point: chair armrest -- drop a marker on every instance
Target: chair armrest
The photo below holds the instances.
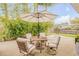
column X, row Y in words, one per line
column 31, row 49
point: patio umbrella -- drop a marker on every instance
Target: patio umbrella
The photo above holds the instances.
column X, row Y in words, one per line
column 38, row 17
column 76, row 6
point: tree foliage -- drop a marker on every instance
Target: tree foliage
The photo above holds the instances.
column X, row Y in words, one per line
column 18, row 28
column 75, row 21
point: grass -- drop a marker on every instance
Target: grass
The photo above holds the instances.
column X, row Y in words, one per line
column 69, row 35
column 66, row 35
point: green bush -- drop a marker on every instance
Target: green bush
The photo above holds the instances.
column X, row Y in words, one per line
column 18, row 28
column 43, row 27
column 14, row 29
column 77, row 38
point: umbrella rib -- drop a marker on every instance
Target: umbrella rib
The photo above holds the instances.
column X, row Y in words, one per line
column 27, row 16
column 30, row 18
column 43, row 18
column 50, row 14
column 47, row 17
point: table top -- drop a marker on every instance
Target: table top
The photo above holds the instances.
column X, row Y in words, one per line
column 38, row 39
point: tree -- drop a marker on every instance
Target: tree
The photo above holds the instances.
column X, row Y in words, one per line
column 75, row 24
column 35, row 7
column 25, row 8
column 21, row 8
column 4, row 7
column 16, row 10
column 46, row 5
column 57, row 29
column 75, row 21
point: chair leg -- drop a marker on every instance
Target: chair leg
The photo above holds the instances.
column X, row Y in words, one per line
column 49, row 51
column 32, row 52
column 24, row 54
column 55, row 51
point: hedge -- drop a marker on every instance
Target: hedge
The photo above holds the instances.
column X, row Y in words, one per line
column 18, row 28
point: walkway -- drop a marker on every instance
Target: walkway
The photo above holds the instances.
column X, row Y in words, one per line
column 77, row 48
column 9, row 48
column 66, row 47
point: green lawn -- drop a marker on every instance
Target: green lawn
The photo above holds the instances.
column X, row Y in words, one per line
column 69, row 35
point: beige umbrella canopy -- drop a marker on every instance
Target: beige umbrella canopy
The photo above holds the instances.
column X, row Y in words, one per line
column 76, row 6
column 38, row 17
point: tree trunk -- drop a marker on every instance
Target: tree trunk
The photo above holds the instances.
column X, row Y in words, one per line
column 35, row 7
column 16, row 9
column 46, row 7
column 25, row 8
column 5, row 10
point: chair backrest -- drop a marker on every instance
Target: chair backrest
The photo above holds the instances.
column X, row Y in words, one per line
column 54, row 40
column 22, row 44
column 42, row 35
column 28, row 36
column 58, row 41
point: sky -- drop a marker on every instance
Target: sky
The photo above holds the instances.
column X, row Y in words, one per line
column 64, row 12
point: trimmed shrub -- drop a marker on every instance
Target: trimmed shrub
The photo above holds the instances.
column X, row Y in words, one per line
column 18, row 28
column 14, row 29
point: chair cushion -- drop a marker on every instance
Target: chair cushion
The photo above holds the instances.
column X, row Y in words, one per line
column 28, row 40
column 25, row 53
column 51, row 45
column 42, row 35
column 28, row 36
column 21, row 39
column 52, row 39
column 30, row 47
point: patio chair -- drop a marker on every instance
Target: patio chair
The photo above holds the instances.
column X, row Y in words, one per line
column 42, row 35
column 29, row 37
column 52, row 44
column 24, row 47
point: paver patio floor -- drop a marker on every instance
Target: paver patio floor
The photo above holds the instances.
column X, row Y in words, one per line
column 66, row 48
column 77, row 48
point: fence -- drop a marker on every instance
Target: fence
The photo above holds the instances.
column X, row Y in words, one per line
column 69, row 31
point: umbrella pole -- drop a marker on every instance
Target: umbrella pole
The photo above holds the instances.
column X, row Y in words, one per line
column 38, row 27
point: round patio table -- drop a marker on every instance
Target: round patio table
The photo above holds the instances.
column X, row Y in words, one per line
column 39, row 42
